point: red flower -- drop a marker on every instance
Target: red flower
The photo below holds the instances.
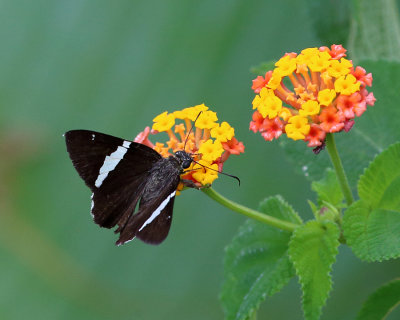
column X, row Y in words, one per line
column 257, row 122
column 349, row 104
column 362, row 76
column 315, row 136
column 233, row 146
column 143, row 138
column 272, row 129
column 260, row 82
column 331, row 120
column 336, row 51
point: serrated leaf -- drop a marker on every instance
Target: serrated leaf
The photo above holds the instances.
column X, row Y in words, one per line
column 263, row 67
column 330, row 19
column 372, row 225
column 379, row 186
column 277, row 207
column 373, row 234
column 256, row 262
column 375, row 31
column 312, row 250
column 381, row 302
column 328, row 189
column 374, row 131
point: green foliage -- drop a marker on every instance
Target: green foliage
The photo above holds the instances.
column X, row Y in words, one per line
column 328, row 189
column 262, row 68
column 381, row 302
column 372, row 224
column 373, row 234
column 256, row 262
column 111, row 66
column 374, row 131
column 312, row 250
column 331, row 20
column 375, row 31
column 379, row 186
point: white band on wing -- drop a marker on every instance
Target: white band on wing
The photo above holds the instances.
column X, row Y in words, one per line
column 156, row 213
column 110, row 162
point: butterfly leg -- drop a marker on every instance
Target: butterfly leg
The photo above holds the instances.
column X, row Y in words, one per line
column 189, row 184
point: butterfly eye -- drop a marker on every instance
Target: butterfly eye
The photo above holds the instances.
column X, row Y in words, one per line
column 186, row 163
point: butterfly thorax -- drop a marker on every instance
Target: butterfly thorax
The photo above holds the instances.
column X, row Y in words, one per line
column 184, row 159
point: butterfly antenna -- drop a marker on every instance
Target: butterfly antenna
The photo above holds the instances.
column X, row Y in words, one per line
column 191, row 129
column 229, row 175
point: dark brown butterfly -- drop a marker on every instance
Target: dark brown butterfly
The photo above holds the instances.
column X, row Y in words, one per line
column 123, row 175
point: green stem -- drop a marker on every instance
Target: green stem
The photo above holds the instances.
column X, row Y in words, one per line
column 262, row 217
column 337, row 164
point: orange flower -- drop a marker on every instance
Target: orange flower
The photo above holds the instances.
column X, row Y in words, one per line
column 320, row 92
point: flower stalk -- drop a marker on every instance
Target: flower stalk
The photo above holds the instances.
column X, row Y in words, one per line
column 256, row 215
column 338, row 166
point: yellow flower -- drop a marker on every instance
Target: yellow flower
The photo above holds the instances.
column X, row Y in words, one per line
column 305, row 57
column 286, row 65
column 297, row 128
column 347, row 85
column 190, row 113
column 310, row 52
column 206, row 120
column 211, row 150
column 269, row 104
column 163, row 122
column 275, row 80
column 309, row 108
column 285, row 113
column 205, row 175
column 260, row 98
column 319, row 62
column 338, row 69
column 181, row 114
column 223, row 133
column 200, row 107
column 326, row 96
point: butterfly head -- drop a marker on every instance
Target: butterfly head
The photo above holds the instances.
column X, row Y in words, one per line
column 184, row 158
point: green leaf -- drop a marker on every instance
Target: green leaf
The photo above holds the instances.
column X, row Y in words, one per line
column 373, row 234
column 262, row 68
column 375, row 31
column 381, row 302
column 256, row 262
column 373, row 132
column 328, row 189
column 372, row 225
column 379, row 186
column 312, row 250
column 330, row 19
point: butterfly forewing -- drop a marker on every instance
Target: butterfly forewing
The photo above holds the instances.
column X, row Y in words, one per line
column 89, row 150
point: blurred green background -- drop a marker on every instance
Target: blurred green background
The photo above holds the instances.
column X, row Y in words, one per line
column 111, row 66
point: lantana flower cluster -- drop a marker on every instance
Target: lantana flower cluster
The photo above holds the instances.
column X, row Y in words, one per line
column 310, row 94
column 210, row 143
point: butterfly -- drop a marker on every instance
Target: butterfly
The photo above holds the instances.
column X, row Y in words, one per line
column 123, row 175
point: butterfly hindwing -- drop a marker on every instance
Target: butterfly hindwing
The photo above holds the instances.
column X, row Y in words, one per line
column 152, row 222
